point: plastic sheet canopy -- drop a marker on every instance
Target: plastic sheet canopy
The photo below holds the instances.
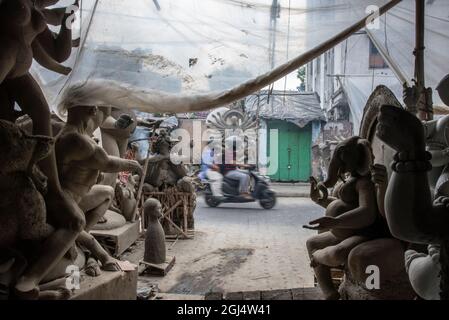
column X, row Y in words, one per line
column 396, row 36
column 193, row 47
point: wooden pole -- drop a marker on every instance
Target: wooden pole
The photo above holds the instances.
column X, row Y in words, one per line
column 425, row 109
column 419, row 49
column 144, row 174
column 267, row 79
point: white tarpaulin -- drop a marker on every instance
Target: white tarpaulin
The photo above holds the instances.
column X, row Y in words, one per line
column 396, row 36
column 188, row 55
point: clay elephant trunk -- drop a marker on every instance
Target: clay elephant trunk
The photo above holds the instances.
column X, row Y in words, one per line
column 334, row 172
column 353, row 155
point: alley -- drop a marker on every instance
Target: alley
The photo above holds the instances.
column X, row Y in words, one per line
column 242, row 248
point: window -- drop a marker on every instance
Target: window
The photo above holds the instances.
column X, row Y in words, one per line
column 375, row 58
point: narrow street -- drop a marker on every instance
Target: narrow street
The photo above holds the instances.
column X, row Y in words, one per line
column 241, row 248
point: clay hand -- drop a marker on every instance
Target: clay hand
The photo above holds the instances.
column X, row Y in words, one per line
column 445, row 152
column 65, row 70
column 322, row 223
column 314, row 192
column 135, row 166
column 409, row 96
column 379, row 175
column 442, row 202
column 76, row 42
column 400, row 129
column 323, row 190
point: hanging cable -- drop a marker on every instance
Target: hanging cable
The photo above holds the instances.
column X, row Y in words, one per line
column 288, row 44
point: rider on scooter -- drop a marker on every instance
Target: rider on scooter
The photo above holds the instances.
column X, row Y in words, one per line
column 233, row 171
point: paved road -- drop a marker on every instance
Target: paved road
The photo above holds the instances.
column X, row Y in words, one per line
column 244, row 248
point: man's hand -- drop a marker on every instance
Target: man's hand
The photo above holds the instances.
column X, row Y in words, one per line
column 323, row 223
column 214, row 167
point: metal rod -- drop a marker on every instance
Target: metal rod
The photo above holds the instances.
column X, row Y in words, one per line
column 391, row 64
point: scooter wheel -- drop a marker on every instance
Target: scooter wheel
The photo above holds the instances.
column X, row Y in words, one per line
column 268, row 201
column 212, row 202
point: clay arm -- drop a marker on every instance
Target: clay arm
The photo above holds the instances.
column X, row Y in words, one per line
column 316, row 196
column 410, row 214
column 45, row 3
column 439, row 157
column 45, row 60
column 365, row 214
column 73, row 147
column 54, row 16
column 59, row 47
column 409, row 210
column 109, row 164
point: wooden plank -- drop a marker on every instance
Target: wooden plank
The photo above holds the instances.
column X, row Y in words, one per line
column 252, row 295
column 120, row 239
column 214, row 296
column 157, row 269
column 313, row 294
column 277, row 295
column 234, row 296
column 108, row 286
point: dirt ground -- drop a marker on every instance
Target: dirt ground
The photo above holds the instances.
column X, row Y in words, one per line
column 239, row 248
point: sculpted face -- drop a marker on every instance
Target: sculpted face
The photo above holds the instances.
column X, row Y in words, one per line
column 94, row 118
column 153, row 208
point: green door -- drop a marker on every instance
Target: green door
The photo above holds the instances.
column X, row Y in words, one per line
column 294, row 149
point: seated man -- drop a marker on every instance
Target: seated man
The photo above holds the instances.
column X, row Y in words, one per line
column 232, row 171
column 80, row 163
column 210, row 170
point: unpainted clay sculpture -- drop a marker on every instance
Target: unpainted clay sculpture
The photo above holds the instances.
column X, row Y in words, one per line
column 125, row 194
column 155, row 251
column 351, row 219
column 162, row 170
column 116, row 129
column 80, row 161
column 421, row 219
column 21, row 19
column 24, row 218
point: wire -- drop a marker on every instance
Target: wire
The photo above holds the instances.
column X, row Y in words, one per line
column 288, row 44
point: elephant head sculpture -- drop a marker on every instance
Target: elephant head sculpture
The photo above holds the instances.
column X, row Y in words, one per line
column 354, row 156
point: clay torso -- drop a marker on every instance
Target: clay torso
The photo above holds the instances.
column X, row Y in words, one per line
column 347, row 200
column 20, row 38
column 76, row 176
column 155, row 243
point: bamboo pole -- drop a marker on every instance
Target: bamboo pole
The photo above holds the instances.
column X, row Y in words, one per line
column 419, row 50
column 425, row 108
column 144, row 174
column 283, row 70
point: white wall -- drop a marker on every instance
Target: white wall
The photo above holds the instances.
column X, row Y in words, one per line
column 350, row 61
